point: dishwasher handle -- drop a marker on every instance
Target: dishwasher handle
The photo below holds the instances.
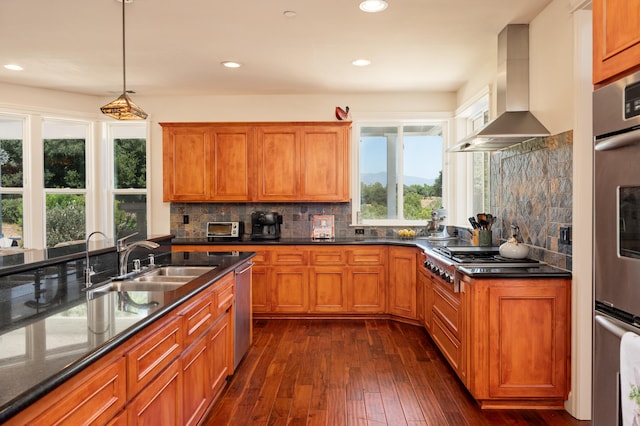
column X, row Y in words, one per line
column 249, row 266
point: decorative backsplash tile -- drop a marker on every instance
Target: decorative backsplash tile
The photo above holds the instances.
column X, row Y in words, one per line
column 532, row 188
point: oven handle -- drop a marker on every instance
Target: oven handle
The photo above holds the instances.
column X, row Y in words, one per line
column 611, row 327
column 619, row 141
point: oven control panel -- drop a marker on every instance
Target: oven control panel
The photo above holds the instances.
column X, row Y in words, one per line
column 443, row 270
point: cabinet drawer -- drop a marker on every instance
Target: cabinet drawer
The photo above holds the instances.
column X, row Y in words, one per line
column 289, row 257
column 447, row 308
column 199, row 316
column 161, row 345
column 224, row 293
column 448, row 344
column 97, row 400
column 366, row 256
column 333, row 257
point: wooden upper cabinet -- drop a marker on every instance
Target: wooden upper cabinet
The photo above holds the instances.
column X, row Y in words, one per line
column 185, row 162
column 256, row 162
column 231, row 168
column 325, row 157
column 278, row 152
column 616, row 39
column 206, row 163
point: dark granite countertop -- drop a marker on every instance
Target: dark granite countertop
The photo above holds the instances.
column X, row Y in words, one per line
column 70, row 333
column 542, row 270
column 538, row 271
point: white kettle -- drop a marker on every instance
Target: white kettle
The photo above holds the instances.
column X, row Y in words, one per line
column 512, row 248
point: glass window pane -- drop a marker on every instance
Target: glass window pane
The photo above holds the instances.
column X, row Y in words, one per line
column 12, row 217
column 11, row 135
column 422, row 174
column 130, row 213
column 130, row 166
column 66, row 218
column 64, row 155
column 377, row 156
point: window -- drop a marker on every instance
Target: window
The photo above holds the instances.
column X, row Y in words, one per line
column 129, row 189
column 11, row 179
column 400, row 172
column 65, row 171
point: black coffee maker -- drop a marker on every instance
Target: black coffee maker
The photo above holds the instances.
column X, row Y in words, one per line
column 265, row 225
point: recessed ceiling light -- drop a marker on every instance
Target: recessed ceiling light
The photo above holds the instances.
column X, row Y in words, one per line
column 13, row 67
column 289, row 14
column 231, row 64
column 373, row 5
column 361, row 62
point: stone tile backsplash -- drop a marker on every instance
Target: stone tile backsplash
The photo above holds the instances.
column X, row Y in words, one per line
column 532, row 188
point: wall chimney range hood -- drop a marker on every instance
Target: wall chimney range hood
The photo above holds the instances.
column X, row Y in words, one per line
column 514, row 124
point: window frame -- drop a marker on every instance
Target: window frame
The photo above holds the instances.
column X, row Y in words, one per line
column 399, row 121
column 111, row 190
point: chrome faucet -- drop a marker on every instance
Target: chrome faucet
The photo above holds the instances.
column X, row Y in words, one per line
column 125, row 250
column 88, row 269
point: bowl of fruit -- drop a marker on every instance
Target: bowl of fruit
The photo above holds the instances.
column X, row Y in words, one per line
column 407, row 234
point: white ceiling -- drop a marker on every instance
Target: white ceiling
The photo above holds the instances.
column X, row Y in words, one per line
column 174, row 47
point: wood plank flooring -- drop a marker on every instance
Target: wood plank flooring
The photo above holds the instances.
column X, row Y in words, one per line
column 354, row 372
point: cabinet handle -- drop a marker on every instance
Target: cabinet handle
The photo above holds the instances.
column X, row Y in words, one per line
column 249, row 266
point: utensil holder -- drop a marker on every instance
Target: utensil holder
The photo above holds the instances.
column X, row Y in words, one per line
column 482, row 237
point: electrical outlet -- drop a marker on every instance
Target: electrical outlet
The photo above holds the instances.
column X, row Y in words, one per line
column 185, row 219
column 565, row 235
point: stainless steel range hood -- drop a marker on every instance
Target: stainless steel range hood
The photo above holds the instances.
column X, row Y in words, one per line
column 515, row 124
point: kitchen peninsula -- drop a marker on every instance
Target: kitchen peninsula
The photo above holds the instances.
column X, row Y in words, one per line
column 76, row 354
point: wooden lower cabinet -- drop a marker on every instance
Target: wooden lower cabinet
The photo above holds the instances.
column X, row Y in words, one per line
column 402, row 282
column 93, row 396
column 328, row 289
column 161, row 401
column 260, row 289
column 424, row 281
column 366, row 287
column 220, row 363
column 519, row 342
column 290, row 289
column 196, row 395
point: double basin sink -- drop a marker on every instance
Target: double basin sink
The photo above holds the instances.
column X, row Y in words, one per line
column 163, row 278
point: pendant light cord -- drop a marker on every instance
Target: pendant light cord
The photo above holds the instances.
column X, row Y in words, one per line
column 124, row 60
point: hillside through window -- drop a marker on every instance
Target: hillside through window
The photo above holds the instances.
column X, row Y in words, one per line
column 400, row 172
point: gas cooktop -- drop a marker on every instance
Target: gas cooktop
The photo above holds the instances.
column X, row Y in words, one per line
column 481, row 256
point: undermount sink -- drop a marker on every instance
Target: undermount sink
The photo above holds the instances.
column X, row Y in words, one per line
column 164, row 278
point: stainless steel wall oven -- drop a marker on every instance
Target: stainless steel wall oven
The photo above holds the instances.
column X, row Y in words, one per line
column 616, row 124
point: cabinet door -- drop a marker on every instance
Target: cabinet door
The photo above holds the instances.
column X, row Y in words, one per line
column 160, row 402
column 278, row 152
column 328, row 289
column 260, row 289
column 427, row 296
column 616, row 39
column 221, row 354
column 402, row 281
column 366, row 289
column 185, row 162
column 528, row 340
column 289, row 289
column 196, row 394
column 230, row 172
column 325, row 159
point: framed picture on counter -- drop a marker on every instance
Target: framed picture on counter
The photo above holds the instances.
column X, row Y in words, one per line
column 322, row 226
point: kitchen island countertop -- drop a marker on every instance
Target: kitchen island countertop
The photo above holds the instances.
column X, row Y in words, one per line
column 67, row 336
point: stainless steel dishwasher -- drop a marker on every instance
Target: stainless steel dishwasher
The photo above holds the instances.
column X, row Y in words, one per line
column 242, row 313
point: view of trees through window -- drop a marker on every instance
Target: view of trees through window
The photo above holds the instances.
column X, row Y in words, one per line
column 11, row 176
column 130, row 182
column 400, row 171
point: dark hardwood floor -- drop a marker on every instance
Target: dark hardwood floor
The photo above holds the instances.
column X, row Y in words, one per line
column 354, row 372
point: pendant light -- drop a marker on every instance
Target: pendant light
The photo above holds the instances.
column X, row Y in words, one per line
column 123, row 108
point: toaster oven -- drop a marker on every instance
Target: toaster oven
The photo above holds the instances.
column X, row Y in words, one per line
column 225, row 231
